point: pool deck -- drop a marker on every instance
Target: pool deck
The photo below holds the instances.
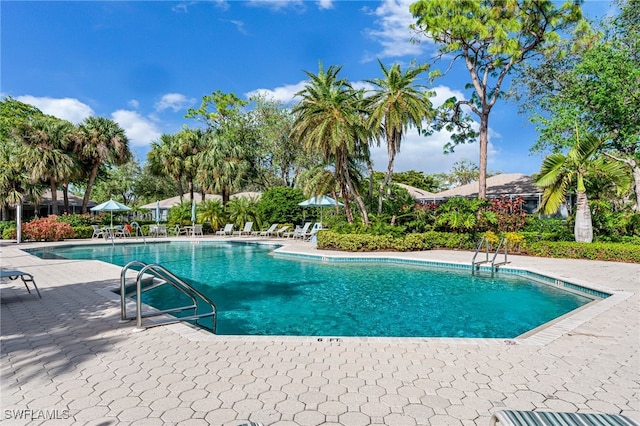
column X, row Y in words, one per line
column 66, row 357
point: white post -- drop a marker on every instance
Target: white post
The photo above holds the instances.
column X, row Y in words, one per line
column 19, row 223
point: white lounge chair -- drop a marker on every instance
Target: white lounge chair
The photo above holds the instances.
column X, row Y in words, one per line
column 244, row 231
column 227, row 230
column 25, row 277
column 268, row 232
column 280, row 232
column 299, row 231
column 550, row 418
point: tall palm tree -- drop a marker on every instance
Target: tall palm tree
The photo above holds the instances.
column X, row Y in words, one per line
column 45, row 152
column 164, row 160
column 560, row 172
column 396, row 104
column 189, row 143
column 329, row 120
column 224, row 165
column 99, row 141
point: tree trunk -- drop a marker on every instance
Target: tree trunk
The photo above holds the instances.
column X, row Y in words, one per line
column 387, row 178
column 87, row 193
column 636, row 182
column 583, row 229
column 54, row 197
column 191, row 189
column 65, row 195
column 484, row 143
column 356, row 195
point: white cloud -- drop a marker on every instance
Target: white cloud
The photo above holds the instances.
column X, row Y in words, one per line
column 65, row 108
column 283, row 94
column 239, row 26
column 174, row 101
column 394, row 33
column 140, row 131
column 325, row 4
column 277, row 4
column 133, row 103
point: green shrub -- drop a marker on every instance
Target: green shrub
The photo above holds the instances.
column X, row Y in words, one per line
column 411, row 242
column 82, row 231
column 594, row 251
column 9, row 233
column 280, row 204
column 76, row 219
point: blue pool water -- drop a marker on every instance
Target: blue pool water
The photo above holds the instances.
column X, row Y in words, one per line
column 259, row 294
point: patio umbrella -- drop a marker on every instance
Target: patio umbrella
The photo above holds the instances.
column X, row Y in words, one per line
column 157, row 212
column 320, row 201
column 110, row 206
column 193, row 212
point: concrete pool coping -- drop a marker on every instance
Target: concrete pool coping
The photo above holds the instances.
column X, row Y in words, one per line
column 446, row 381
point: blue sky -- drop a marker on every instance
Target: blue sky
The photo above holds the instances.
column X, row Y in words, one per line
column 144, row 63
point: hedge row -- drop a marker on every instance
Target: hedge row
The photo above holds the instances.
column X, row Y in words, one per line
column 446, row 240
column 617, row 252
column 411, row 242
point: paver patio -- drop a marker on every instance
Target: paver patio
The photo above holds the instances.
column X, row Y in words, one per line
column 66, row 357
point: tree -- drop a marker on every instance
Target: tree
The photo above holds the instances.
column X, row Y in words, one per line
column 45, row 150
column 120, row 181
column 164, row 160
column 15, row 179
column 330, row 121
column 559, row 173
column 493, row 37
column 212, row 211
column 598, row 87
column 100, row 141
column 396, row 104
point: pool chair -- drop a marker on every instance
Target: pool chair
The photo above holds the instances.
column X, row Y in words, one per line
column 197, row 230
column 180, row 231
column 299, row 231
column 227, row 230
column 550, row 418
column 268, row 232
column 244, row 231
column 280, row 232
column 97, row 232
column 25, row 277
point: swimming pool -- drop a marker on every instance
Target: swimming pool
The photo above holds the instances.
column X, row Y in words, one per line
column 261, row 294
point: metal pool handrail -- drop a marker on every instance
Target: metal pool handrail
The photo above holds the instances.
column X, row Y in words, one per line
column 165, row 277
column 475, row 266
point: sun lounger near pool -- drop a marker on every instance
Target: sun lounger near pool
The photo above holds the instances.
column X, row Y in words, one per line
column 550, row 418
column 25, row 277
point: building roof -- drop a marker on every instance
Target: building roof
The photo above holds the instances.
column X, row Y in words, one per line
column 417, row 193
column 45, row 200
column 498, row 185
column 167, row 203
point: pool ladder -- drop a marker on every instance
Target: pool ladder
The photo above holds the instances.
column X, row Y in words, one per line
column 475, row 265
column 153, row 276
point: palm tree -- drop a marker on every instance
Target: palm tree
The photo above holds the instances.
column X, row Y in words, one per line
column 224, row 166
column 45, row 151
column 99, row 141
column 242, row 210
column 329, row 120
column 560, row 172
column 396, row 104
column 212, row 211
column 164, row 160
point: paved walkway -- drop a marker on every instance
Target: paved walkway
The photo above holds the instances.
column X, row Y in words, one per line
column 66, row 357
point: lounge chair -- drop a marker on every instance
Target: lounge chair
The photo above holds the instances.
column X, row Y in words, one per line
column 227, row 230
column 268, row 232
column 299, row 231
column 280, row 232
column 550, row 418
column 244, row 231
column 25, row 277
column 197, row 230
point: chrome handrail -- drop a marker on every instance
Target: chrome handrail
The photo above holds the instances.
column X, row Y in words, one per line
column 166, row 277
column 137, row 227
column 475, row 266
